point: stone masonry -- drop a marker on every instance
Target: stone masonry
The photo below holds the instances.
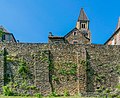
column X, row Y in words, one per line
column 58, row 67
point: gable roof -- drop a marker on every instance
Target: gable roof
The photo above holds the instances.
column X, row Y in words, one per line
column 116, row 31
column 118, row 25
column 112, row 36
column 70, row 32
column 7, row 33
column 82, row 15
column 13, row 37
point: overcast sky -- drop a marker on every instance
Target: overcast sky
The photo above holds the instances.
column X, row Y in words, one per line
column 32, row 20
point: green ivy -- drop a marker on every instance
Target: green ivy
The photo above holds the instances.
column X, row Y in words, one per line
column 38, row 95
column 31, row 87
column 8, row 90
column 23, row 69
column 53, row 94
column 68, row 68
column 66, row 93
column 63, row 72
column 55, row 78
column 23, row 73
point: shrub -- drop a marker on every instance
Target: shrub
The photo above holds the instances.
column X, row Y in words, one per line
column 66, row 93
column 7, row 91
column 38, row 95
column 54, row 94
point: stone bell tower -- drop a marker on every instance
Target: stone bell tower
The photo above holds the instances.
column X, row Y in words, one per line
column 83, row 24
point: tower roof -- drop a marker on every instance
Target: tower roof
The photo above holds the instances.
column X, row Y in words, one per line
column 118, row 25
column 82, row 15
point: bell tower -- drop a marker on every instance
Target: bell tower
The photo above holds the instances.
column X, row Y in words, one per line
column 83, row 23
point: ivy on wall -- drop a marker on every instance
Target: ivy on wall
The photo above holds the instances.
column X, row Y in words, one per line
column 17, row 81
column 61, row 72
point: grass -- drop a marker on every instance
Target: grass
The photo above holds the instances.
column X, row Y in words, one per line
column 42, row 97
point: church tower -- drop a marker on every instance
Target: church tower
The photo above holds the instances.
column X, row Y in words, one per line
column 80, row 34
column 83, row 23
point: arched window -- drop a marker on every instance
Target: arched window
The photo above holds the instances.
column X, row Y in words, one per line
column 74, row 33
column 83, row 25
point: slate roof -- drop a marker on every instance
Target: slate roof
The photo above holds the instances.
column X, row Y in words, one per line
column 118, row 25
column 55, row 37
column 82, row 15
column 116, row 31
column 6, row 32
column 112, row 36
column 75, row 29
column 70, row 32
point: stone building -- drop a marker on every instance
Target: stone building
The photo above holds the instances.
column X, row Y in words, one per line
column 78, row 35
column 6, row 37
column 115, row 38
column 75, row 69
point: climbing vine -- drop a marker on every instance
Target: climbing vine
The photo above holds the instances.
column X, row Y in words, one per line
column 20, row 80
column 68, row 68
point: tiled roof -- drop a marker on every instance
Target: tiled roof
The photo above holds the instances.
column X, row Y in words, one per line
column 82, row 15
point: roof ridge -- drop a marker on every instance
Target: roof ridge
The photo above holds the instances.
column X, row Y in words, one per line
column 118, row 25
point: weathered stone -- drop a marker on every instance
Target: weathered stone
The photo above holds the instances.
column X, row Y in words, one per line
column 48, row 69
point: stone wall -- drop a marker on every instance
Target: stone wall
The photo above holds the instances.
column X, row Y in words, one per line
column 104, row 64
column 1, row 68
column 58, row 67
column 65, row 59
column 27, row 68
